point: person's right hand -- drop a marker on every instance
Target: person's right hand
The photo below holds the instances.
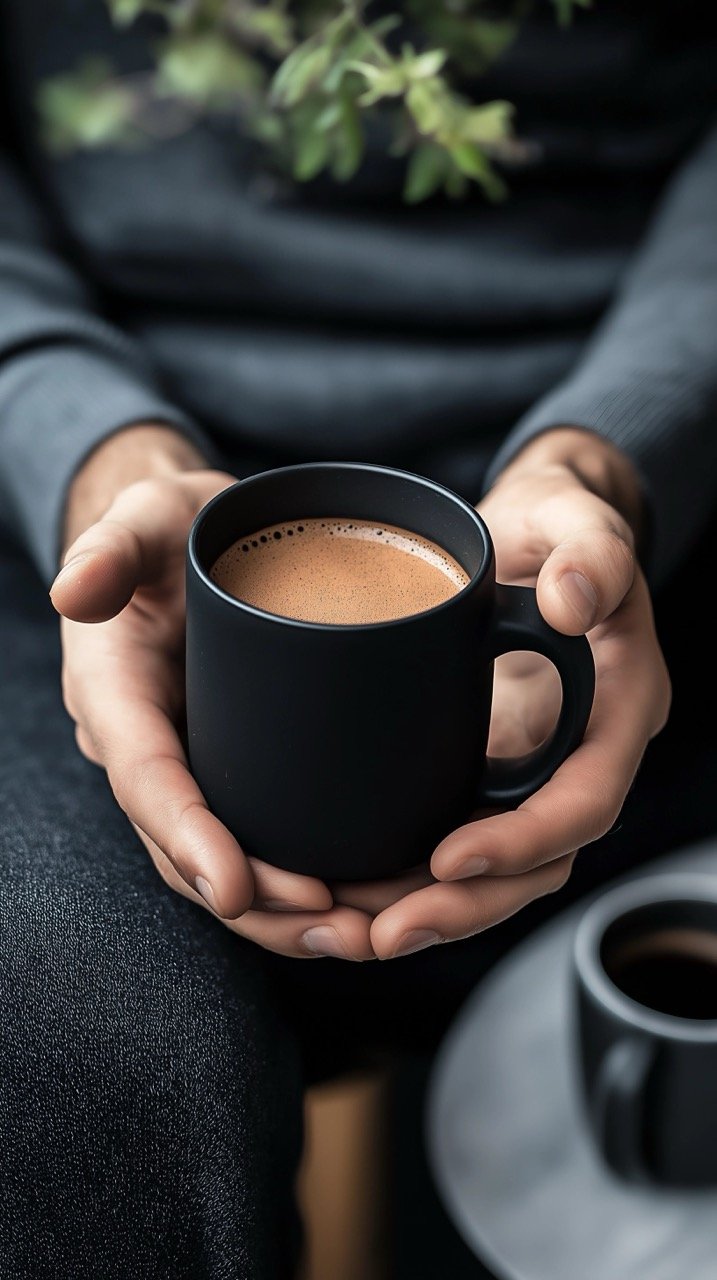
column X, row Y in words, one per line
column 121, row 594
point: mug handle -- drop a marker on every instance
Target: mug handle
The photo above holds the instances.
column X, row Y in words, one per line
column 618, row 1105
column 519, row 624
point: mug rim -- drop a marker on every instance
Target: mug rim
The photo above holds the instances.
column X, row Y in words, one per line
column 609, row 906
column 265, row 616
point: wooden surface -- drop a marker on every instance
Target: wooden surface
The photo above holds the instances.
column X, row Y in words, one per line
column 342, row 1187
column 510, row 1153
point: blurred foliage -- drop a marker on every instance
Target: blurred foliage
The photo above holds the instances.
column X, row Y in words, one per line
column 307, row 79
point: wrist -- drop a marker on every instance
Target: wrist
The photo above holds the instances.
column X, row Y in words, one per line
column 598, row 464
column 142, row 451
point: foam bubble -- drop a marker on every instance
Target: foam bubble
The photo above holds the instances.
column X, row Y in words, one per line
column 338, row 572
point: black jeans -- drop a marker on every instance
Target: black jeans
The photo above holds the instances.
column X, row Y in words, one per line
column 151, row 1063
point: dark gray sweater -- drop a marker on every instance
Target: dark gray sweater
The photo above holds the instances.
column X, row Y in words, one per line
column 185, row 284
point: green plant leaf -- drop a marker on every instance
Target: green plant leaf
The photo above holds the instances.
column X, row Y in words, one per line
column 205, row 69
column 424, row 66
column 425, row 173
column 489, row 123
column 348, row 142
column 265, row 27
column 299, row 73
column 124, row 12
column 311, row 154
column 304, row 79
column 384, row 82
column 426, row 107
column 87, row 109
column 475, row 164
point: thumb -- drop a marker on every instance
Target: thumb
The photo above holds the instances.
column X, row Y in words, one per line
column 585, row 578
column 130, row 545
column 101, row 572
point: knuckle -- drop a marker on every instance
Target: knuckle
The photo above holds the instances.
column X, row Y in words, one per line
column 475, row 908
column 162, row 495
column 603, row 803
column 621, row 531
column 527, row 859
column 166, row 872
column 120, row 542
column 149, row 491
column 122, row 781
column 560, row 875
column 187, row 817
column 663, row 700
column 86, row 745
column 69, row 696
column 614, row 549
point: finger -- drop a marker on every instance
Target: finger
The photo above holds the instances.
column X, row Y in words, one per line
column 579, row 548
column 373, row 896
column 287, row 891
column 278, row 890
column 446, row 912
column 585, row 579
column 525, row 706
column 86, row 745
column 584, row 797
column 342, row 933
column 306, row 935
column 145, row 526
column 148, row 774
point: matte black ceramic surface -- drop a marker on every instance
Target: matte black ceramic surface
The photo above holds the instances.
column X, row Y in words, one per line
column 649, row 1078
column 348, row 752
column 513, row 1158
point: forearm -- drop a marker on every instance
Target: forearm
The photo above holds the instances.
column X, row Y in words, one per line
column 139, row 452
column 647, row 380
column 69, row 380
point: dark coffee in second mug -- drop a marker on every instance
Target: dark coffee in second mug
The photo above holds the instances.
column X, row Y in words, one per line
column 349, row 751
column 646, row 984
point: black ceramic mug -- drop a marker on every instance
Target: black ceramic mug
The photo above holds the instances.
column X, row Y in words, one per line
column 348, row 752
column 645, row 968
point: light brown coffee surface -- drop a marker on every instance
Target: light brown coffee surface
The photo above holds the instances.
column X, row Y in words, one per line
column 338, row 571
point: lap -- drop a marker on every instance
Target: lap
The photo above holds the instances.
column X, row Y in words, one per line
column 143, row 1057
column 72, row 870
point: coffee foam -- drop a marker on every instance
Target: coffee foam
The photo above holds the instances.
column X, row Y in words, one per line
column 339, row 571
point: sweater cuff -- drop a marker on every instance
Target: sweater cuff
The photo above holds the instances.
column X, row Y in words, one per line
column 56, row 405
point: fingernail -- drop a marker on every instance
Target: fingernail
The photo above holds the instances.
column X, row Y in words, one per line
column 471, row 867
column 416, row 940
column 204, row 888
column 581, row 595
column 322, row 940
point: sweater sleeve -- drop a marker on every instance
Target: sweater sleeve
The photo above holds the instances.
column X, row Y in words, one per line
column 68, row 379
column 648, row 378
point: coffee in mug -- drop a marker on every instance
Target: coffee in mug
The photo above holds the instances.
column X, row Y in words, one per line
column 671, row 970
column 340, row 672
column 344, row 572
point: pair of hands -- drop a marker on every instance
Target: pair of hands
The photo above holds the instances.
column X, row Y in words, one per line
column 562, row 517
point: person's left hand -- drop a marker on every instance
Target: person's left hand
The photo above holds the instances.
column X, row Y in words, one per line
column 551, row 529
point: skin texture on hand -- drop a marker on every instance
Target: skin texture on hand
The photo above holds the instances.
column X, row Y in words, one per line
column 121, row 594
column 564, row 517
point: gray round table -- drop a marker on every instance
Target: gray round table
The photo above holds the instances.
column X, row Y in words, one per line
column 508, row 1148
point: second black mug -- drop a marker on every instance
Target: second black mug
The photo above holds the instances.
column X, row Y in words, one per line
column 645, row 981
column 349, row 751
